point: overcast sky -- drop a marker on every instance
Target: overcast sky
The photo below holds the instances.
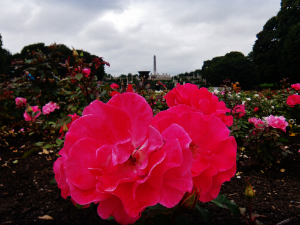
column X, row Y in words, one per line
column 128, row 33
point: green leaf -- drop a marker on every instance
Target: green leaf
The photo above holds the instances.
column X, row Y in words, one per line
column 79, row 206
column 110, row 218
column 282, row 139
column 223, row 202
column 59, row 142
column 30, row 152
column 39, row 143
column 48, row 146
column 60, row 123
column 204, row 214
column 79, row 76
column 106, row 87
column 53, row 181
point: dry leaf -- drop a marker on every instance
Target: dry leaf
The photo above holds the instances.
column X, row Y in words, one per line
column 45, row 217
column 282, row 170
column 45, row 151
column 15, row 151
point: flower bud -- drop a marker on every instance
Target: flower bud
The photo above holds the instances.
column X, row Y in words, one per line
column 249, row 192
column 65, row 128
column 189, row 200
column 29, row 109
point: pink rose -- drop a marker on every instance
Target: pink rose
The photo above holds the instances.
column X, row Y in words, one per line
column 86, row 72
column 114, row 86
column 113, row 156
column 113, row 93
column 296, row 86
column 214, row 151
column 277, row 122
column 293, row 100
column 239, row 111
column 31, row 116
column 258, row 123
column 200, row 99
column 49, row 107
column 20, row 102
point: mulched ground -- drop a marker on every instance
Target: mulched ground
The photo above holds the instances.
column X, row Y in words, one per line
column 26, row 193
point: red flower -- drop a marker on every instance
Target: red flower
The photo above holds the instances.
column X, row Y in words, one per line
column 256, row 109
column 293, row 100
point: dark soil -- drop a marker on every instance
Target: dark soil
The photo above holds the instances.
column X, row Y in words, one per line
column 26, row 193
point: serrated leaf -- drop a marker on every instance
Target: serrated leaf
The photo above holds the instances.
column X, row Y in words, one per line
column 59, row 142
column 53, row 181
column 39, row 143
column 282, row 139
column 79, row 76
column 48, row 146
column 29, row 152
column 223, row 202
column 204, row 214
column 60, row 123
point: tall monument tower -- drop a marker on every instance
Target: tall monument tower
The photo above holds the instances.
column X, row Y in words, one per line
column 154, row 65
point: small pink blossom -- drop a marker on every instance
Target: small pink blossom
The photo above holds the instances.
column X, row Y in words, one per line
column 256, row 109
column 293, row 100
column 73, row 117
column 200, row 99
column 86, row 72
column 50, row 107
column 258, row 123
column 31, row 116
column 20, row 102
column 277, row 122
column 239, row 111
column 296, row 86
column 114, row 86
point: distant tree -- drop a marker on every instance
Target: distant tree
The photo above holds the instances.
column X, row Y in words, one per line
column 234, row 66
column 276, row 50
column 2, row 58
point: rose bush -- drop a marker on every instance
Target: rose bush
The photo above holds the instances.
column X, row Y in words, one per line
column 239, row 111
column 113, row 156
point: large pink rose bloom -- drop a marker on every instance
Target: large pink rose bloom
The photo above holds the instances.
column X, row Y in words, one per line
column 49, row 107
column 293, row 100
column 20, row 102
column 277, row 122
column 214, row 151
column 113, row 156
column 239, row 111
column 201, row 99
column 36, row 112
column 296, row 86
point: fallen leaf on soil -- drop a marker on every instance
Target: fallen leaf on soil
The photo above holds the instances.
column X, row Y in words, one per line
column 278, row 161
column 15, row 150
column 45, row 151
column 282, row 170
column 16, row 161
column 45, row 217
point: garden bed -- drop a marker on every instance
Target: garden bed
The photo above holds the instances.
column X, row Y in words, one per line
column 27, row 195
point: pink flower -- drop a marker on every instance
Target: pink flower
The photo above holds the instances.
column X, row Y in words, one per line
column 239, row 111
column 256, row 109
column 113, row 156
column 50, row 107
column 200, row 99
column 293, row 100
column 129, row 88
column 258, row 123
column 296, row 86
column 86, row 72
column 214, row 151
column 113, row 93
column 20, row 102
column 277, row 122
column 31, row 116
column 114, row 86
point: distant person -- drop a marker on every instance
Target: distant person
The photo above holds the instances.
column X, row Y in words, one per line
column 29, row 76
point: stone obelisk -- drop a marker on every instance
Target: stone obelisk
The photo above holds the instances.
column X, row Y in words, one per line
column 154, row 65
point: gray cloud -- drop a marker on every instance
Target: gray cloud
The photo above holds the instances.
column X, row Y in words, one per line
column 182, row 34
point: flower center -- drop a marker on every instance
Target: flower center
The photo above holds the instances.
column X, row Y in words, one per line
column 194, row 149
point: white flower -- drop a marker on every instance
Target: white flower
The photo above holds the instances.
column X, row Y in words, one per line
column 272, row 107
column 248, row 99
column 256, row 95
column 243, row 102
